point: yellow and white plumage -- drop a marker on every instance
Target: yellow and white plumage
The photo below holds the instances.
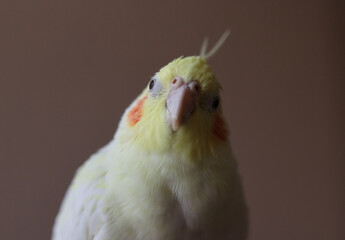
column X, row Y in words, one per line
column 168, row 173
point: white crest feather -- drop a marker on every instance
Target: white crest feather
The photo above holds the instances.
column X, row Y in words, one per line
column 206, row 55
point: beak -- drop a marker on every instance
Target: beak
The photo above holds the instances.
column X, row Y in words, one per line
column 181, row 101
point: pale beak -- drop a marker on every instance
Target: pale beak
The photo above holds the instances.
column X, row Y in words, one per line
column 181, row 101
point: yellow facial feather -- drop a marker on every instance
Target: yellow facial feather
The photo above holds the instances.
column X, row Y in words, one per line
column 145, row 124
column 190, row 68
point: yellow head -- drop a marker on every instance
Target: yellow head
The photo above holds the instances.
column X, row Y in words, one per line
column 179, row 111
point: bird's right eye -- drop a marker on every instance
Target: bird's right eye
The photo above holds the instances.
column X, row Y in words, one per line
column 152, row 83
column 155, row 87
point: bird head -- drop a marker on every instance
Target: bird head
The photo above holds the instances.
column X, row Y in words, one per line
column 178, row 111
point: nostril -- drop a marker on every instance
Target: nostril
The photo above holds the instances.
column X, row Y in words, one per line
column 194, row 86
column 176, row 82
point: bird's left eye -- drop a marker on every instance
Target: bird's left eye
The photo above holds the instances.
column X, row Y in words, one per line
column 215, row 103
column 210, row 104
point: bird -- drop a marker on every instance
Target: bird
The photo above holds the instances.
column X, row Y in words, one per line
column 169, row 173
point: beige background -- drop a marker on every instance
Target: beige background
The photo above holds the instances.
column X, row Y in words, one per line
column 68, row 69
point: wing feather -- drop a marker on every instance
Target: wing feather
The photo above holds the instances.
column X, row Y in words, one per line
column 81, row 216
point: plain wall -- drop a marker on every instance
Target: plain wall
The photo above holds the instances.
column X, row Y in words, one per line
column 68, row 69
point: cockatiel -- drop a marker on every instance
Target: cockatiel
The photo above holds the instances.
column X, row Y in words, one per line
column 169, row 172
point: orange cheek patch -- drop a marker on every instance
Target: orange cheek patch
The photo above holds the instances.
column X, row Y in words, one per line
column 219, row 129
column 136, row 112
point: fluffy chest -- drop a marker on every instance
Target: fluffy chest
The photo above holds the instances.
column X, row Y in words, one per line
column 162, row 199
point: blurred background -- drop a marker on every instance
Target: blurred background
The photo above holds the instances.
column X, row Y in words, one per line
column 68, row 69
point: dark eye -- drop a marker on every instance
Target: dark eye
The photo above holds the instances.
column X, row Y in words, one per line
column 152, row 83
column 215, row 103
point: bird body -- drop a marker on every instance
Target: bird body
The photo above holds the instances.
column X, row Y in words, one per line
column 169, row 172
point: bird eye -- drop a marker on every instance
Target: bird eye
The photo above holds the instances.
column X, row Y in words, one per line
column 152, row 83
column 155, row 87
column 215, row 103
